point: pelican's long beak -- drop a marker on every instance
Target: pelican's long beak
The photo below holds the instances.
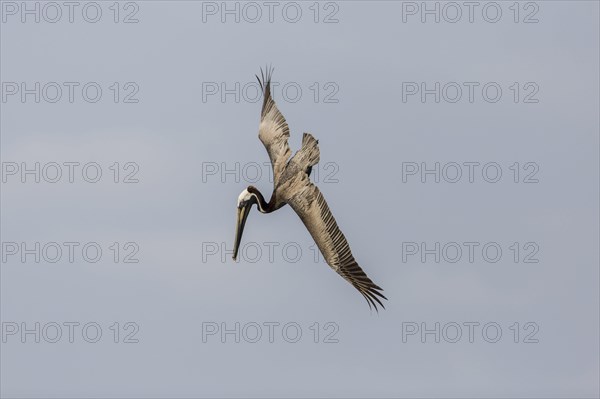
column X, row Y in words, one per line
column 242, row 215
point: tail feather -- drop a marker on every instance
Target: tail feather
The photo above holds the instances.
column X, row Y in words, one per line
column 310, row 148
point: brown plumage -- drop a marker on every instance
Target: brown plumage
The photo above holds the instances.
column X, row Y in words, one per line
column 292, row 186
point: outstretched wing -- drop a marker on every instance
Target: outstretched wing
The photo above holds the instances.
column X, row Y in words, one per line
column 312, row 208
column 273, row 130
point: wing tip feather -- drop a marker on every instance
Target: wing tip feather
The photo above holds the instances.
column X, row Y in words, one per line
column 265, row 84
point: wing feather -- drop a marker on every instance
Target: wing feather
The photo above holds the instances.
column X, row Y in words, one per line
column 273, row 130
column 314, row 212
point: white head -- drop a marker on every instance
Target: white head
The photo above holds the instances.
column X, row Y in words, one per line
column 244, row 197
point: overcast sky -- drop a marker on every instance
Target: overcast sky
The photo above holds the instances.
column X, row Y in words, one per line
column 459, row 157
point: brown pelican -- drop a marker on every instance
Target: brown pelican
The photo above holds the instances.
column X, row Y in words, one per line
column 292, row 186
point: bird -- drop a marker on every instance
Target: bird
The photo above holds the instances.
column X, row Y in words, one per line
column 292, row 186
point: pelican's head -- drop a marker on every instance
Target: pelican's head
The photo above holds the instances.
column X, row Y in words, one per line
column 245, row 201
column 244, row 197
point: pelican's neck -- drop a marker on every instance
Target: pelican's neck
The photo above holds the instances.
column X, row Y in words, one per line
column 263, row 206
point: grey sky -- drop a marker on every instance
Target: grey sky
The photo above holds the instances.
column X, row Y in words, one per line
column 353, row 75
